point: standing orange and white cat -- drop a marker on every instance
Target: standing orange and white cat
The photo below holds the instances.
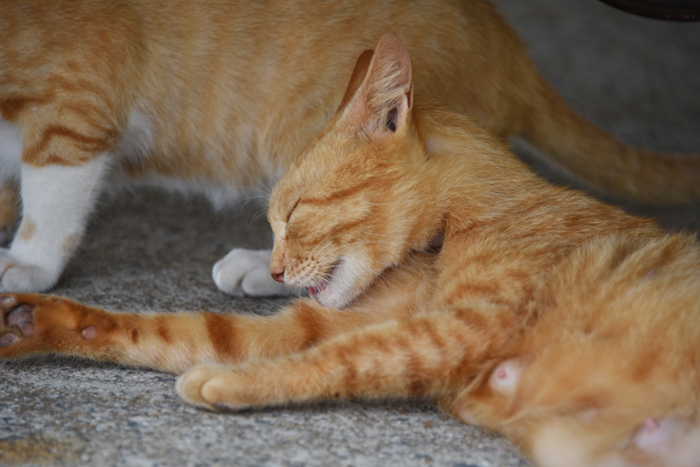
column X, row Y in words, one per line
column 216, row 96
column 440, row 267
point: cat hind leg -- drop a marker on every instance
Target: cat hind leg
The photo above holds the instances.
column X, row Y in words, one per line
column 669, row 442
column 582, row 408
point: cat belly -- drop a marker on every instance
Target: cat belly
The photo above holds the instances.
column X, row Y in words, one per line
column 216, row 169
column 220, row 195
column 134, row 150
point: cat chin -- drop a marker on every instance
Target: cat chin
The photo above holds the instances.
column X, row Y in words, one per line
column 346, row 283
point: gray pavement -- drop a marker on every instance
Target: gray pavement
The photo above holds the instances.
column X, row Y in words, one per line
column 635, row 77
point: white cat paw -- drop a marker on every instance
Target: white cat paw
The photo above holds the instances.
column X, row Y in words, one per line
column 247, row 273
column 18, row 277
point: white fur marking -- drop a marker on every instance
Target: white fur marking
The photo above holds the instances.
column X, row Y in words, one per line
column 137, row 139
column 247, row 272
column 343, row 287
column 58, row 201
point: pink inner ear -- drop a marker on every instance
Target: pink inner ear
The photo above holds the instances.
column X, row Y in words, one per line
column 409, row 96
column 357, row 77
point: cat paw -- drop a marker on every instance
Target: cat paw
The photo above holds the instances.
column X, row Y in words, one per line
column 18, row 277
column 32, row 324
column 212, row 387
column 19, row 329
column 247, row 273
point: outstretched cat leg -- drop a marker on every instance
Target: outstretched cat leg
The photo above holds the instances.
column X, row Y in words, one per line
column 42, row 324
column 247, row 273
column 428, row 355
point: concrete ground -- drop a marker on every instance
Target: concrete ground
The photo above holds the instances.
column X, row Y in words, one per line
column 638, row 78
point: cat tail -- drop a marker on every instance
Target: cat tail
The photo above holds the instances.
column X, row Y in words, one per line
column 597, row 158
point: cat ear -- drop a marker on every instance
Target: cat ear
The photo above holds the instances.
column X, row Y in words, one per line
column 358, row 76
column 385, row 97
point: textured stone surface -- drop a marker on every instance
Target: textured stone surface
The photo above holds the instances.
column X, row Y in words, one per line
column 638, row 78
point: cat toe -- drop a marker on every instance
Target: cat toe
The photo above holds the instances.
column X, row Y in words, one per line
column 8, row 339
column 22, row 319
column 258, row 283
column 210, row 387
column 18, row 277
column 7, row 302
column 17, row 320
column 24, row 316
column 189, row 385
column 221, row 392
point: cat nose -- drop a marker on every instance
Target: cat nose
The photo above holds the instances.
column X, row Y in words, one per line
column 278, row 276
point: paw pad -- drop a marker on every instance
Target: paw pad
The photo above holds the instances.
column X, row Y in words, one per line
column 7, row 340
column 506, row 376
column 21, row 318
column 89, row 333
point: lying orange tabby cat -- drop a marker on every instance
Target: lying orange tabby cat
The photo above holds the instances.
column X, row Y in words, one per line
column 441, row 267
column 214, row 96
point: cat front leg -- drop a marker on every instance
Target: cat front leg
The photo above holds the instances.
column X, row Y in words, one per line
column 32, row 324
column 56, row 202
column 247, row 273
column 428, row 355
column 173, row 342
column 41, row 324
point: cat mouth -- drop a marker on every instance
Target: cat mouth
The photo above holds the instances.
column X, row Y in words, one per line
column 320, row 287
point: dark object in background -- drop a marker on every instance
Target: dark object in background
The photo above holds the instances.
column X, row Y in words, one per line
column 673, row 10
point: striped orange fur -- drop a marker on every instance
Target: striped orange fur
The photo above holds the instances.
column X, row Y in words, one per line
column 441, row 267
column 217, row 96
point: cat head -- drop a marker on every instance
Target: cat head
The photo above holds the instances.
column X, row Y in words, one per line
column 345, row 210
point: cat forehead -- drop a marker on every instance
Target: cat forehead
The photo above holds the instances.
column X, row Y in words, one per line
column 319, row 187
